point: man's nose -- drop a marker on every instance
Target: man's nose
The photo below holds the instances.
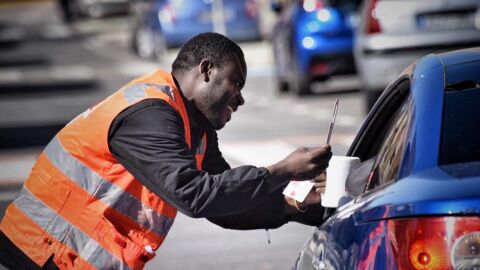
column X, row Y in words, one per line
column 241, row 101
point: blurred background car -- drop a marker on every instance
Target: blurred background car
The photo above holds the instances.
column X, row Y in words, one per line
column 73, row 9
column 312, row 40
column 414, row 200
column 393, row 33
column 162, row 24
column 99, row 8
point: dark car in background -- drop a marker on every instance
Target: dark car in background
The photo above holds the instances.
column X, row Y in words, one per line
column 414, row 200
column 162, row 24
column 313, row 40
column 393, row 33
column 98, row 8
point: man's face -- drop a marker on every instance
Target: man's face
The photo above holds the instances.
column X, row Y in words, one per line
column 221, row 96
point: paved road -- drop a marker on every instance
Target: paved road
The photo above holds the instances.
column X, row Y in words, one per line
column 50, row 73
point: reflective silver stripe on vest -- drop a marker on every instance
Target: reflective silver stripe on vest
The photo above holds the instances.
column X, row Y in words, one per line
column 105, row 191
column 137, row 91
column 65, row 232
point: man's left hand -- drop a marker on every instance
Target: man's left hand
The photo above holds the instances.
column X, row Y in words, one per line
column 314, row 196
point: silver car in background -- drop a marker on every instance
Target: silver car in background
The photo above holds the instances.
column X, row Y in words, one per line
column 100, row 8
column 393, row 33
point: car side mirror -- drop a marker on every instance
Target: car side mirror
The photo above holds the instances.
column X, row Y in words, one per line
column 337, row 173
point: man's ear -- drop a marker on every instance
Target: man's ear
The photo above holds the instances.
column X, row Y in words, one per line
column 205, row 69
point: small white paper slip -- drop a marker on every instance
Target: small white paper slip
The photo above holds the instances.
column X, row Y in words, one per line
column 298, row 190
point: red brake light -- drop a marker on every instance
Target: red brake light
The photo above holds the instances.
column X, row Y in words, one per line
column 429, row 254
column 423, row 259
column 372, row 24
column 437, row 243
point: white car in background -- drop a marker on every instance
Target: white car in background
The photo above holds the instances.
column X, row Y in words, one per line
column 393, row 33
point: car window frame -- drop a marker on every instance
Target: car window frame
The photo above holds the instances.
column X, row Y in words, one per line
column 401, row 118
column 363, row 146
column 372, row 133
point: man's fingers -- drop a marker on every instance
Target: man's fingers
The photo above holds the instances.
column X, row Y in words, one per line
column 324, row 151
column 313, row 197
column 319, row 178
column 321, row 157
column 320, row 190
column 320, row 184
column 308, row 163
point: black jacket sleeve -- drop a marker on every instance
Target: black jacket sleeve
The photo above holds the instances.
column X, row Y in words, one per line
column 148, row 140
column 213, row 161
column 267, row 215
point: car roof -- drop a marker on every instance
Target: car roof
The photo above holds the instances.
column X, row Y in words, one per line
column 429, row 79
column 460, row 56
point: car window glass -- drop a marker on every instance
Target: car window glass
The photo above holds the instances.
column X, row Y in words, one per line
column 390, row 154
column 358, row 176
column 460, row 130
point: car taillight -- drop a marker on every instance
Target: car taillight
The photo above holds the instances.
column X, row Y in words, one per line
column 167, row 14
column 372, row 24
column 312, row 5
column 436, row 243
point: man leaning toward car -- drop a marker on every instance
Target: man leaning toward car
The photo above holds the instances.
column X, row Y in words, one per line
column 105, row 191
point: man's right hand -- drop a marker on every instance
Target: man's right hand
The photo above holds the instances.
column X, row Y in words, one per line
column 302, row 164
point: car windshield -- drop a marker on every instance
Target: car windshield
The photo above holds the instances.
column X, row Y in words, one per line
column 461, row 130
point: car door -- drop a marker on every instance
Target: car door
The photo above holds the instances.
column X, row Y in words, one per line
column 342, row 243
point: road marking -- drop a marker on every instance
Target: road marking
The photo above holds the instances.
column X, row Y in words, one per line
column 73, row 72
column 300, row 109
column 12, row 75
column 261, row 153
column 260, row 71
column 57, row 32
column 348, row 121
column 16, row 166
column 342, row 120
column 135, row 69
column 8, row 195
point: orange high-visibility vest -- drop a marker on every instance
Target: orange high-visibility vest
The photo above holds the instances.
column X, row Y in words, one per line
column 81, row 205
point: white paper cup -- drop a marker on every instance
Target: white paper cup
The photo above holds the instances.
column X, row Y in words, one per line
column 337, row 172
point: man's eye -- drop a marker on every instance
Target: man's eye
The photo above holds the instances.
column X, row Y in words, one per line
column 238, row 84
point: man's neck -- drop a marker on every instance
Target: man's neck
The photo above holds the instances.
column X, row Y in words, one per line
column 183, row 81
column 186, row 94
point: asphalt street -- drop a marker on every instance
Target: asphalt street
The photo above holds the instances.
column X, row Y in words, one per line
column 49, row 73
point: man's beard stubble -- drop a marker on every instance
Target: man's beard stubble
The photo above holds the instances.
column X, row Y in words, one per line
column 213, row 105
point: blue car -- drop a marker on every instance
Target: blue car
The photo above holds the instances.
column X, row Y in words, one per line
column 313, row 40
column 161, row 24
column 414, row 200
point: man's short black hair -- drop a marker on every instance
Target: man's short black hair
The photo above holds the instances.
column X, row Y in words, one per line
column 215, row 47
